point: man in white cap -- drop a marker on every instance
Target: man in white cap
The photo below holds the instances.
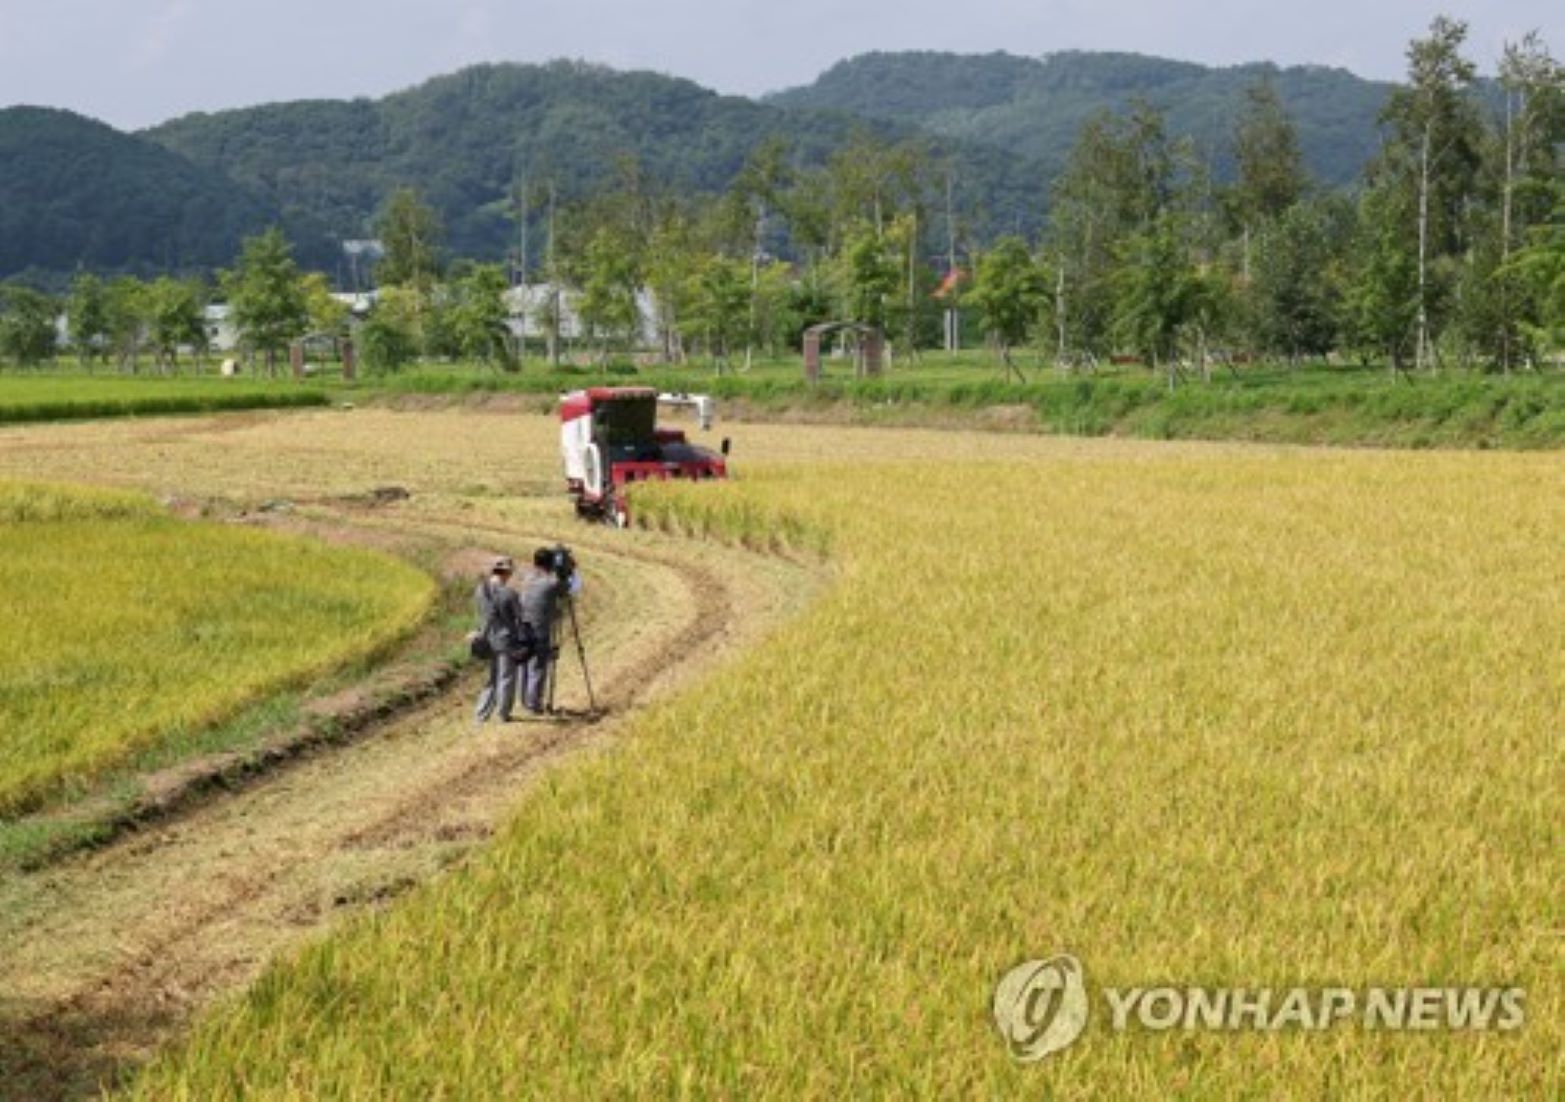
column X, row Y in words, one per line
column 500, row 623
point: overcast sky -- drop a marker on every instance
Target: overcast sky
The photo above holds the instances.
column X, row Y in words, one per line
column 137, row 62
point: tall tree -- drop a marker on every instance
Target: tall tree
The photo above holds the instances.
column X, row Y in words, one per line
column 669, row 266
column 778, row 323
column 328, row 316
column 390, row 336
column 480, row 315
column 720, row 303
column 175, row 318
column 865, row 275
column 1123, row 174
column 1434, row 146
column 266, row 293
column 27, row 333
column 1534, row 128
column 808, row 206
column 125, row 318
column 1295, row 283
column 1382, row 299
column 1536, row 270
column 1271, row 168
column 1532, row 134
column 86, row 312
column 1158, row 291
column 908, row 309
column 412, row 236
column 1010, row 291
column 755, row 195
column 609, row 279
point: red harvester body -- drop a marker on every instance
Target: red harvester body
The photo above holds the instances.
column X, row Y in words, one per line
column 609, row 440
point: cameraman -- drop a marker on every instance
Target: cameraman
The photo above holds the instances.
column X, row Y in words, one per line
column 553, row 575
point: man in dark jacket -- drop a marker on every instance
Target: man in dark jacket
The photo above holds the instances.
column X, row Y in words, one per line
column 540, row 598
column 500, row 623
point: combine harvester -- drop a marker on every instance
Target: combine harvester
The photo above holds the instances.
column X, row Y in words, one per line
column 609, row 439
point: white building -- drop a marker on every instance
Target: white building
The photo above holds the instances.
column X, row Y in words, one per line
column 359, row 303
column 221, row 333
column 529, row 303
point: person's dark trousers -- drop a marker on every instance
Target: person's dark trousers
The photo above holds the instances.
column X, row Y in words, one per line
column 536, row 681
column 499, row 693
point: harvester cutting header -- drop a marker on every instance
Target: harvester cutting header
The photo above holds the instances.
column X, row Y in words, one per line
column 609, row 439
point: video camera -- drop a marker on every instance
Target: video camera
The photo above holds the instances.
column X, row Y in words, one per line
column 562, row 563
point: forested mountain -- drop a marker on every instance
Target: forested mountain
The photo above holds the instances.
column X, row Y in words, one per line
column 467, row 139
column 1035, row 107
column 76, row 192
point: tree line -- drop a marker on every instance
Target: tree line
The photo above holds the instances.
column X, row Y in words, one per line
column 718, row 278
column 1451, row 251
column 122, row 320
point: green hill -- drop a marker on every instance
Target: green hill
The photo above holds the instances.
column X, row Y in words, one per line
column 1035, row 107
column 465, row 139
column 76, row 192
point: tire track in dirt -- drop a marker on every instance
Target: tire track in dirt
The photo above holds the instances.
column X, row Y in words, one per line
column 712, row 617
column 106, row 955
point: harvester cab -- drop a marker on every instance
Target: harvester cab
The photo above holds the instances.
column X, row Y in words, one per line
column 610, row 439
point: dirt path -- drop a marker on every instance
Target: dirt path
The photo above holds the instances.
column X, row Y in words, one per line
column 105, row 955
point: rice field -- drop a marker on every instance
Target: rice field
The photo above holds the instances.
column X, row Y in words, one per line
column 1195, row 716
column 43, row 397
column 125, row 626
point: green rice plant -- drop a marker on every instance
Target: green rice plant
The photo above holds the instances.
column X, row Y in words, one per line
column 74, row 397
column 38, row 502
column 125, row 626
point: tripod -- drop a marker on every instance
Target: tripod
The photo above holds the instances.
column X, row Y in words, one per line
column 556, row 630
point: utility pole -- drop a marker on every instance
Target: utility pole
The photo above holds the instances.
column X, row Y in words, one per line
column 521, row 217
column 755, row 281
column 555, row 321
column 953, row 316
column 524, row 193
column 911, row 335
